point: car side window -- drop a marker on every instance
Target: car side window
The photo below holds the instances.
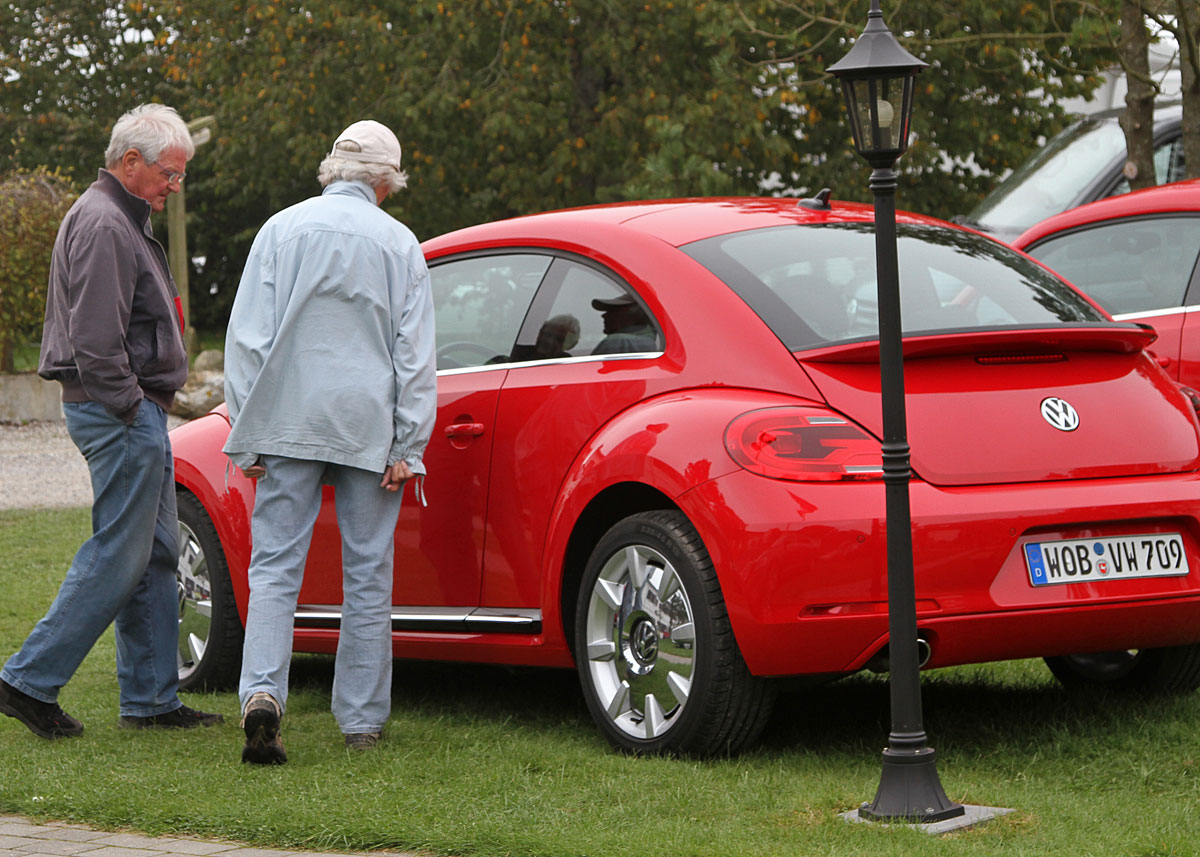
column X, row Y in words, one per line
column 479, row 305
column 1128, row 266
column 582, row 311
column 1168, row 166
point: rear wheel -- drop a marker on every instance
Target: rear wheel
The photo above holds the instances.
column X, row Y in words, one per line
column 1173, row 669
column 657, row 658
column 210, row 632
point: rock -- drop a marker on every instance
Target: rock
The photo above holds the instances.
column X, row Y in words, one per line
column 210, row 360
column 205, row 387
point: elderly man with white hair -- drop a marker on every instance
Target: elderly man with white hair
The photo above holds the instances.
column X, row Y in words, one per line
column 329, row 379
column 113, row 337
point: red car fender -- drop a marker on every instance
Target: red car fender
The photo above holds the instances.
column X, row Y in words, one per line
column 224, row 492
column 671, row 444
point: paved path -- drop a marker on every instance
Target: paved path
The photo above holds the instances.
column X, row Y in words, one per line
column 20, row 837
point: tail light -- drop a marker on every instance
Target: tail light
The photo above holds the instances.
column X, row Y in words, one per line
column 803, row 445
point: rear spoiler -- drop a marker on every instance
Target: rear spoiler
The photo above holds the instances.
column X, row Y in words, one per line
column 1042, row 343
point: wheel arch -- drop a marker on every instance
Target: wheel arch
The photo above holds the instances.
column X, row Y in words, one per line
column 226, row 495
column 598, row 517
column 646, row 458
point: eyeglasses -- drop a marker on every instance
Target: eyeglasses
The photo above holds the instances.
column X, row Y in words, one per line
column 171, row 176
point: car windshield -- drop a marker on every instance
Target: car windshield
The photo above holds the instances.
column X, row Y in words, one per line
column 1050, row 182
column 815, row 284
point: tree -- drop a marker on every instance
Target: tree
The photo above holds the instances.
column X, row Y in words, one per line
column 68, row 69
column 1184, row 24
column 1138, row 119
column 1130, row 41
column 511, row 106
column 32, row 204
column 997, row 71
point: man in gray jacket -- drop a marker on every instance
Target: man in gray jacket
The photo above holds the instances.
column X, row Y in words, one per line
column 113, row 338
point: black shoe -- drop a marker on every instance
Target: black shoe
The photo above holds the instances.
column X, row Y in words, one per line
column 181, row 718
column 264, row 746
column 43, row 718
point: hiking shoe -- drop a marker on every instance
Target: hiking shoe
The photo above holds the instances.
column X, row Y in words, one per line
column 362, row 740
column 261, row 723
column 181, row 718
column 45, row 719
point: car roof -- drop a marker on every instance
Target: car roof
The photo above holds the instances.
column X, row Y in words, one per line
column 1177, row 196
column 673, row 221
column 1165, row 113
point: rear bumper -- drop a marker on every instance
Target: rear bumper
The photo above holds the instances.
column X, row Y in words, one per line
column 803, row 571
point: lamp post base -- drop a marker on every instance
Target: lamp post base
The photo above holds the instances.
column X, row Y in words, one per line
column 971, row 816
column 909, row 790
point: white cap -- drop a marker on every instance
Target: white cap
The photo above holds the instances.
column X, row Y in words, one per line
column 375, row 142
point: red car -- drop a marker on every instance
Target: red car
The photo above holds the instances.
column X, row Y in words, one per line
column 657, row 460
column 1138, row 256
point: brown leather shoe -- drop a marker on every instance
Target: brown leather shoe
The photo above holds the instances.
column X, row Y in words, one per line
column 362, row 740
column 264, row 746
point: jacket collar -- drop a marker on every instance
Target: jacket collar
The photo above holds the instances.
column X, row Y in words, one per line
column 135, row 207
column 346, row 188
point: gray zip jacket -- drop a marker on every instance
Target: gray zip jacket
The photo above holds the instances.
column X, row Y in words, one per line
column 114, row 326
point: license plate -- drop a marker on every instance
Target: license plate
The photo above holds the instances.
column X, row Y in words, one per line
column 1109, row 558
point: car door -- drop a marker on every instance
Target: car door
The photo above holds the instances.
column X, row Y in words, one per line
column 480, row 303
column 1139, row 269
column 589, row 349
column 1189, row 348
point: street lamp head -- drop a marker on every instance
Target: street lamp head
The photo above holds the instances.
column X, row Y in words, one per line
column 877, row 81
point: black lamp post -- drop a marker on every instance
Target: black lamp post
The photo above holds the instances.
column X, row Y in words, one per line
column 877, row 78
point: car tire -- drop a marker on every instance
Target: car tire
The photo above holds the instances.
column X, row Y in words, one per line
column 1169, row 670
column 210, row 631
column 657, row 659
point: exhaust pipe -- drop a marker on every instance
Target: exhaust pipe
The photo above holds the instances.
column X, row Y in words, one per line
column 881, row 661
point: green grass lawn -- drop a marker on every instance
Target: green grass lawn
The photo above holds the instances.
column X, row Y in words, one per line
column 491, row 761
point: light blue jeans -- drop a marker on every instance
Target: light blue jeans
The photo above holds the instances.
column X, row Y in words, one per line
column 123, row 574
column 286, row 503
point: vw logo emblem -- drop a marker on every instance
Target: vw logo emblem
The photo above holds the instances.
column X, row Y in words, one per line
column 1060, row 414
column 645, row 642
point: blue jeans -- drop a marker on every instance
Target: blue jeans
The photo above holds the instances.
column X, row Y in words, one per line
column 123, row 575
column 286, row 504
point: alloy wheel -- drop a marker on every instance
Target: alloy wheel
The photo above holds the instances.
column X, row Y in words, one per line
column 640, row 642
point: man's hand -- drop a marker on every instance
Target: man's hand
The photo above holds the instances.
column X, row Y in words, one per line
column 395, row 476
column 257, row 470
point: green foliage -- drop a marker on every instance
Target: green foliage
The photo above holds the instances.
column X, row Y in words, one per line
column 31, row 206
column 68, row 69
column 506, row 107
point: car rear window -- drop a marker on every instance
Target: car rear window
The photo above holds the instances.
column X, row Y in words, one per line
column 815, row 284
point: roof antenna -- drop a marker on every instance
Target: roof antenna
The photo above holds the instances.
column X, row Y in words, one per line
column 820, row 202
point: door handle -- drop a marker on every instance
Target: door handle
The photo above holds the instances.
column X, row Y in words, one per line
column 457, row 430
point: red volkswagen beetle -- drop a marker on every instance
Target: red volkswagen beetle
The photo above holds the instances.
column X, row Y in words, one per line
column 657, row 460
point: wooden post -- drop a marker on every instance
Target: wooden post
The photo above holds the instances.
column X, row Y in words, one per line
column 177, row 252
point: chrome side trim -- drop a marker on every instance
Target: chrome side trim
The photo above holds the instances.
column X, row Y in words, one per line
column 1153, row 313
column 455, row 620
column 582, row 358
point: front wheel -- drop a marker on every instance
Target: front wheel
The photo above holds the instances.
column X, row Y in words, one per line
column 1169, row 670
column 210, row 631
column 657, row 659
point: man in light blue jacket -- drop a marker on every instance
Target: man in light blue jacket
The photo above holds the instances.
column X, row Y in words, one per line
column 329, row 379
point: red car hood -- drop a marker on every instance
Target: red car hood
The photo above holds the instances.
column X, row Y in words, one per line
column 975, row 404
